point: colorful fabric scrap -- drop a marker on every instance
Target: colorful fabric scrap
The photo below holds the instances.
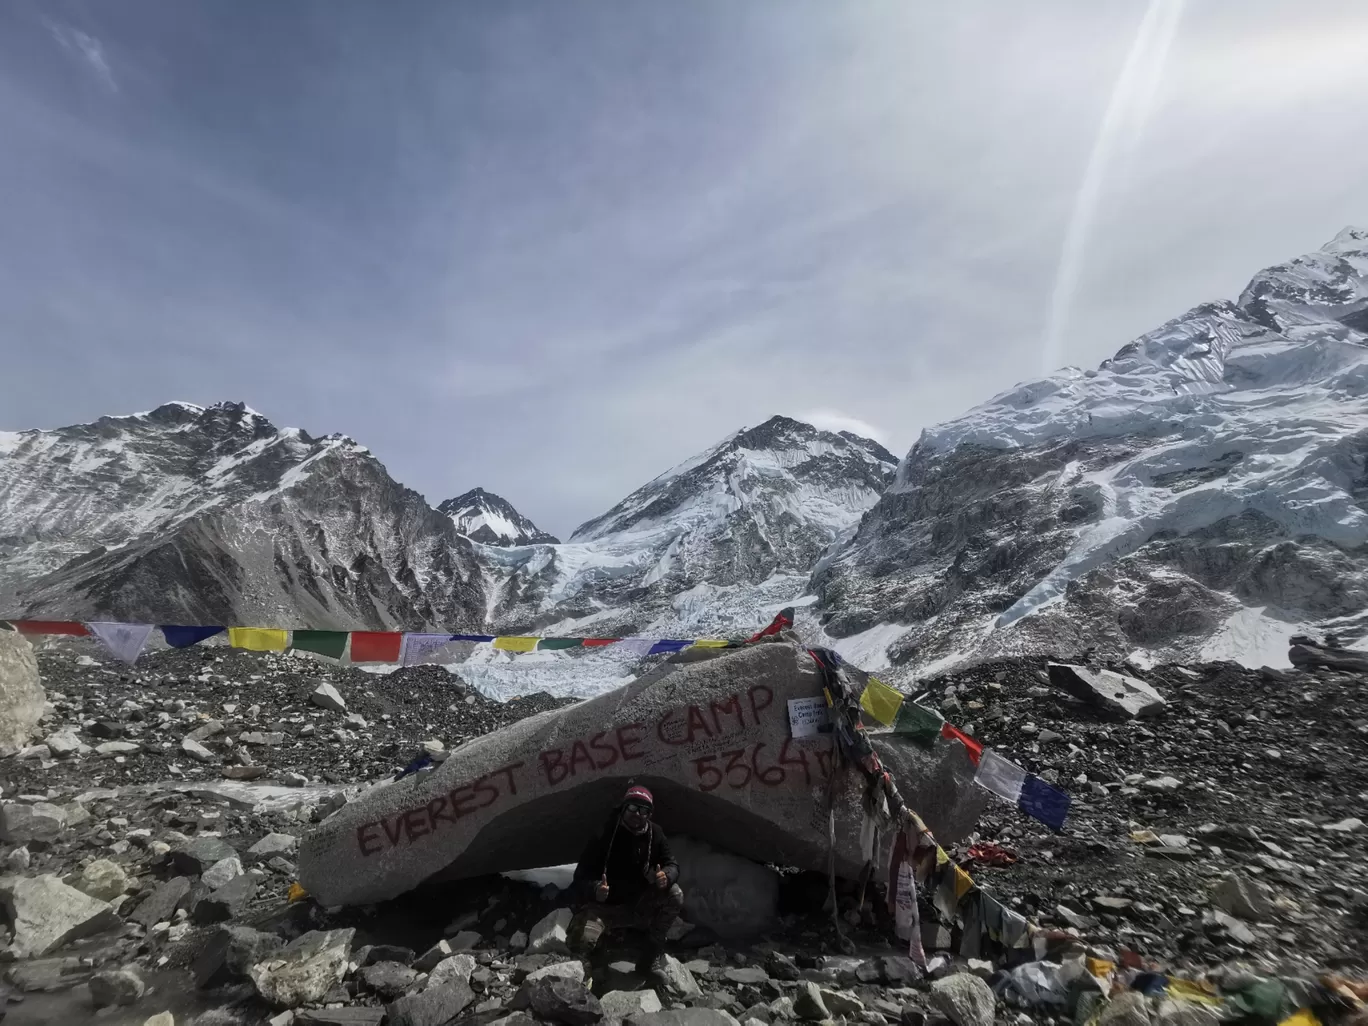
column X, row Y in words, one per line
column 1045, row 803
column 68, row 627
column 779, row 623
column 258, row 639
column 516, row 644
column 918, row 723
column 125, row 641
column 184, row 637
column 326, row 643
column 881, row 701
column 419, row 648
column 375, row 646
column 953, row 733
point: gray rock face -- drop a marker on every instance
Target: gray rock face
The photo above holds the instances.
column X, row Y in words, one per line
column 230, row 953
column 305, row 970
column 1243, row 897
column 338, row 540
column 103, row 880
column 808, row 1003
column 347, row 1015
column 1131, row 507
column 456, row 969
column 197, row 856
column 432, row 1006
column 730, row 895
column 221, row 872
column 21, row 822
column 227, row 902
column 116, row 987
column 1114, row 691
column 388, row 979
column 326, row 696
column 965, row 999
column 678, row 980
column 564, row 1001
column 162, row 903
column 549, row 936
column 274, row 844
column 21, row 693
column 47, row 914
column 683, row 1017
column 620, row 1004
column 489, row 519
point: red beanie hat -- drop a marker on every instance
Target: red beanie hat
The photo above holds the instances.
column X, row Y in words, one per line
column 638, row 794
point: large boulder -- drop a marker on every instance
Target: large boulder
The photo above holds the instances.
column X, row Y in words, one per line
column 47, row 914
column 21, row 694
column 1128, row 696
column 710, row 736
column 730, row 895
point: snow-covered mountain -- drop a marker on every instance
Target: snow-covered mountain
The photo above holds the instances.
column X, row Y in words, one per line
column 1202, row 494
column 487, row 518
column 714, row 546
column 187, row 514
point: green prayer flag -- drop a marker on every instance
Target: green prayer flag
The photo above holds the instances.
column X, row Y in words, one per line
column 556, row 643
column 917, row 723
column 328, row 643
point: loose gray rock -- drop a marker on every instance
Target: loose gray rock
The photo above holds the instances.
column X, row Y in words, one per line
column 808, row 1003
column 965, row 999
column 678, row 980
column 550, row 935
column 117, row 987
column 62, row 743
column 683, row 1017
column 162, row 903
column 221, row 872
column 388, row 979
column 195, row 857
column 326, row 696
column 197, row 751
column 354, row 1015
column 456, row 969
column 572, row 971
column 838, row 1002
column 305, row 970
column 1128, row 696
column 564, row 1001
column 274, row 844
column 21, row 823
column 230, row 953
column 1243, row 897
column 21, row 692
column 206, row 730
column 103, row 880
column 752, row 975
column 432, row 1006
column 619, row 1004
column 227, row 902
column 428, row 959
column 46, row 914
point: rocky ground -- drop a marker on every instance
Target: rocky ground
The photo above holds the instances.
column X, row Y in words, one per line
column 1220, row 836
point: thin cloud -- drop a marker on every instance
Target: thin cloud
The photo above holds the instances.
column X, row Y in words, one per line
column 88, row 50
column 834, row 420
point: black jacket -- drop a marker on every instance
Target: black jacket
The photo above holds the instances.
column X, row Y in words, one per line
column 631, row 861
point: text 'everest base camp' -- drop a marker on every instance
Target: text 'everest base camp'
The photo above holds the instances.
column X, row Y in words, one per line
column 1062, row 717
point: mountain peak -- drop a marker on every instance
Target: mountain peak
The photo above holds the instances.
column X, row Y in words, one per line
column 490, row 519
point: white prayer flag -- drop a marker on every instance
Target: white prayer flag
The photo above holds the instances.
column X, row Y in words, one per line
column 124, row 640
column 1001, row 776
column 419, row 648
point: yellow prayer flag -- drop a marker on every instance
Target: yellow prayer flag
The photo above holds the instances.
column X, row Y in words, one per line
column 516, row 644
column 258, row 639
column 881, row 701
column 964, row 883
column 1301, row 1017
column 709, row 643
column 1187, row 990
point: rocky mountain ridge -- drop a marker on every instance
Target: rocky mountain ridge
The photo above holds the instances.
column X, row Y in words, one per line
column 490, row 519
column 1202, row 494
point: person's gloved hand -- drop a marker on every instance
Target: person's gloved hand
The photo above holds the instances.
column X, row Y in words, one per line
column 601, row 891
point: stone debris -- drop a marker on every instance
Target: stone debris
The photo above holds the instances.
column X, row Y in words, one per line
column 116, row 987
column 221, row 872
column 162, row 903
column 304, row 971
column 197, row 751
column 1129, row 696
column 326, row 696
column 965, row 999
column 456, row 969
column 620, row 1004
column 432, row 1006
column 230, row 953
column 103, row 880
column 564, row 1001
column 274, row 844
column 21, row 694
column 549, row 936
column 389, row 980
column 21, row 823
column 46, row 914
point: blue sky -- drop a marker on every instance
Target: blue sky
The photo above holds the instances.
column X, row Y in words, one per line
column 553, row 247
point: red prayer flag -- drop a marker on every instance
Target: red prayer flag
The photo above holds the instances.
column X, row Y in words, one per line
column 52, row 627
column 953, row 734
column 597, row 642
column 375, row 646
